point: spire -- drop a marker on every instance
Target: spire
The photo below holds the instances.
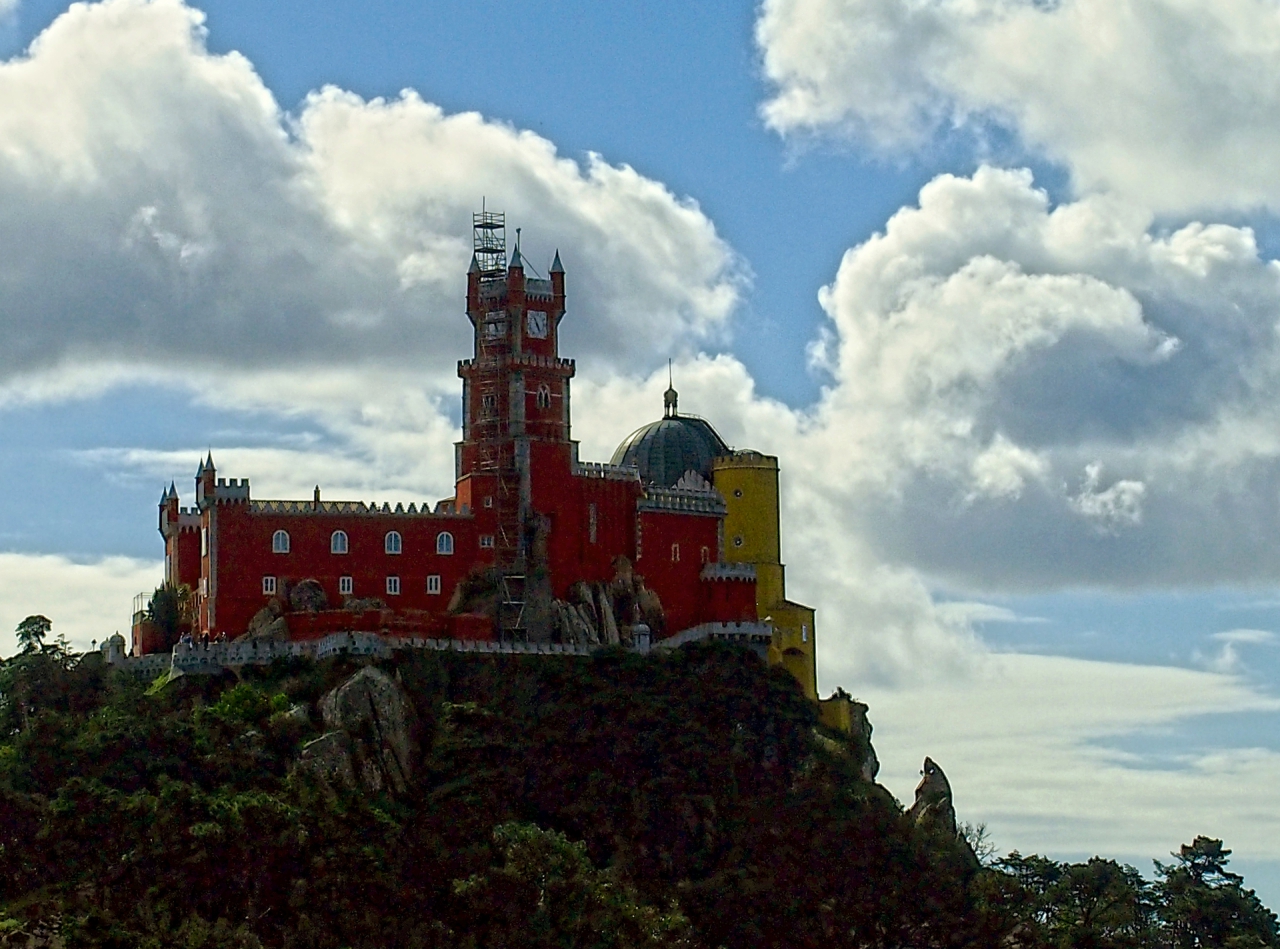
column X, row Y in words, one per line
column 209, row 461
column 200, row 470
column 475, row 264
column 173, row 490
column 556, row 266
column 670, row 397
column 515, row 258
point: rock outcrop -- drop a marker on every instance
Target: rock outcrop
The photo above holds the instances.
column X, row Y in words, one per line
column 933, row 800
column 268, row 624
column 307, row 596
column 369, row 742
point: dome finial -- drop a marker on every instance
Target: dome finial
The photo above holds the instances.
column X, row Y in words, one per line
column 670, row 397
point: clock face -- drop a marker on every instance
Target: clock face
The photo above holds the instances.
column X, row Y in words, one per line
column 538, row 324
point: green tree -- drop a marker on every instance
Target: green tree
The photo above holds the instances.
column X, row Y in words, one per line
column 548, row 893
column 1203, row 904
column 32, row 631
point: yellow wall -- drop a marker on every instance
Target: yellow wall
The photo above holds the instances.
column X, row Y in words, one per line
column 749, row 483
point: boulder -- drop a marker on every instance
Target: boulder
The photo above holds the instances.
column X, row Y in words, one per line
column 267, row 624
column 307, row 596
column 374, row 713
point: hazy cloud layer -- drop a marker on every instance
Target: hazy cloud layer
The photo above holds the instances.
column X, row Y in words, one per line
column 161, row 211
column 1172, row 103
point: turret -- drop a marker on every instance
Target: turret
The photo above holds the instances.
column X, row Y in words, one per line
column 168, row 509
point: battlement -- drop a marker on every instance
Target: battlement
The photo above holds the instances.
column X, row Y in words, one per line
column 592, row 469
column 729, row 571
column 755, row 636
column 526, row 360
column 684, row 500
column 746, row 459
column 223, row 491
column 345, row 508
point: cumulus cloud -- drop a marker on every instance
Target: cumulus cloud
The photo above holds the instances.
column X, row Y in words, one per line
column 1171, row 103
column 1055, row 777
column 86, row 601
column 162, row 212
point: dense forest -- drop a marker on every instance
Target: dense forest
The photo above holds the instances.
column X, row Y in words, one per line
column 689, row 799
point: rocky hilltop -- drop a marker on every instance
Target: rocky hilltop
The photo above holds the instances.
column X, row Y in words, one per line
column 443, row 799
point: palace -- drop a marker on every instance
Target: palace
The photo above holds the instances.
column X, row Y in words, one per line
column 678, row 536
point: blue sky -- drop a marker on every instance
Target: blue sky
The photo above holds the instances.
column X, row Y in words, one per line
column 1028, row 433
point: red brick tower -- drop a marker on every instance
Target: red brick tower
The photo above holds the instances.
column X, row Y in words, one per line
column 515, row 390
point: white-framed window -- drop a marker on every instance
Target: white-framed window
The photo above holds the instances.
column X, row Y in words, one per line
column 393, row 586
column 675, row 553
column 804, row 632
column 544, row 396
column 393, row 544
column 433, row 584
column 280, row 542
column 444, row 543
column 268, row 586
column 338, row 543
column 204, row 542
column 204, row 586
column 706, row 554
column 488, row 500
column 593, row 518
column 486, row 540
column 345, row 586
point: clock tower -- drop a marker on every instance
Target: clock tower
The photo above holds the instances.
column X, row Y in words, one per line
column 515, row 388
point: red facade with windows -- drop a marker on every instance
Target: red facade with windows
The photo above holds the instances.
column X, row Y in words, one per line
column 528, row 518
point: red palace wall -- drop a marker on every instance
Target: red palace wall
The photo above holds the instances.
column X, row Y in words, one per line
column 672, row 550
column 242, row 540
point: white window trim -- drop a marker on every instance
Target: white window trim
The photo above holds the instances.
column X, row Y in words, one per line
column 444, row 544
column 433, row 584
column 268, row 586
column 393, row 586
column 346, row 586
column 387, row 544
column 280, row 548
column 486, row 541
column 333, row 543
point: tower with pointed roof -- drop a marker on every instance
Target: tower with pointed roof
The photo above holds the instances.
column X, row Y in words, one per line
column 515, row 388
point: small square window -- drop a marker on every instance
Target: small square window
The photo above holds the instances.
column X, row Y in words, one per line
column 268, row 586
column 433, row 584
column 393, row 586
column 675, row 553
column 345, row 586
column 488, row 501
column 486, row 540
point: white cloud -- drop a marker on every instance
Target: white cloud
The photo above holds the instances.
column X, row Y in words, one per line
column 86, row 601
column 162, row 214
column 1170, row 103
column 1050, row 777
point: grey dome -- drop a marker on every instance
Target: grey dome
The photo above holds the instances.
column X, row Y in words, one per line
column 664, row 450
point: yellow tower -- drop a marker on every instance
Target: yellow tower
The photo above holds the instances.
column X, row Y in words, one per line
column 748, row 481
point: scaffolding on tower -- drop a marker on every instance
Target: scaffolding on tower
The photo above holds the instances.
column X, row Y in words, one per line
column 489, row 238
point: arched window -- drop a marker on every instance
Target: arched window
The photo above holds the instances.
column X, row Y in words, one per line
column 392, row 544
column 338, row 542
column 280, row 542
column 544, row 396
column 444, row 543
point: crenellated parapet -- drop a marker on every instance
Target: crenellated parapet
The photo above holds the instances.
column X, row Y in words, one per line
column 590, row 469
column 683, row 500
column 741, row 572
column 221, row 491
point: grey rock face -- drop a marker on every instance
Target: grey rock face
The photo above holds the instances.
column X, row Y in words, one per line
column 373, row 712
column 329, row 759
column 933, row 799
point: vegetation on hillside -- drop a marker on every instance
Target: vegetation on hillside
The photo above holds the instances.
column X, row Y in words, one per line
column 682, row 800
